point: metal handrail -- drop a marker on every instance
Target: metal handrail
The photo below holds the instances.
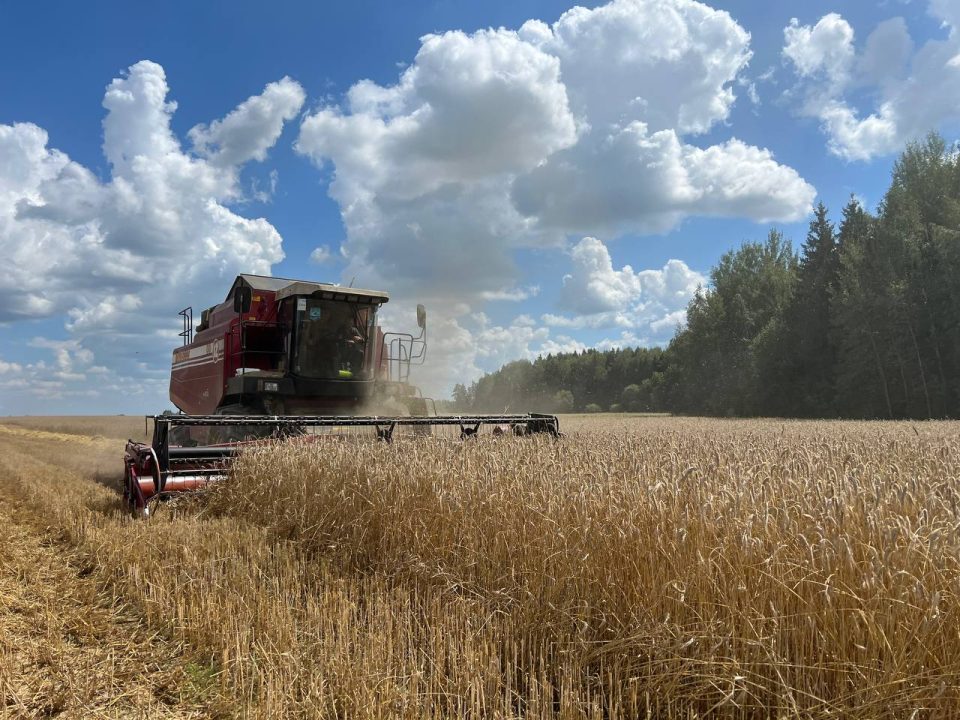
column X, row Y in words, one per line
column 409, row 351
column 187, row 333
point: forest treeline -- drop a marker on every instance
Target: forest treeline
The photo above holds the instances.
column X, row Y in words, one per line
column 863, row 322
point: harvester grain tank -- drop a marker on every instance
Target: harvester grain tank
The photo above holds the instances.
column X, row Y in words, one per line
column 282, row 358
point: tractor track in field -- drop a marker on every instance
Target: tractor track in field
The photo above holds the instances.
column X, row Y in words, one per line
column 69, row 648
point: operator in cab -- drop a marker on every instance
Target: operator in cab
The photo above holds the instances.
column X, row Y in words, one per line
column 350, row 344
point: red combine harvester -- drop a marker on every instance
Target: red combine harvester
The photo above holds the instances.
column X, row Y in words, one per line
column 281, row 358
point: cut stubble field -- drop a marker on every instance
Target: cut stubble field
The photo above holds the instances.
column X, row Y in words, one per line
column 639, row 567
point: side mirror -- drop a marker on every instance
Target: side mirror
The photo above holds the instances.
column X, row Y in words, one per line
column 421, row 317
column 242, row 297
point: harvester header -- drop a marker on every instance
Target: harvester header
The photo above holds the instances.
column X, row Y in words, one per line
column 280, row 358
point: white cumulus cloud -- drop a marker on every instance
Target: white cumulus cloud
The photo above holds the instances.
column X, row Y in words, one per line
column 645, row 306
column 422, row 168
column 320, row 255
column 667, row 63
column 653, row 301
column 910, row 91
column 825, row 49
column 634, row 181
column 119, row 257
column 464, row 345
column 247, row 132
column 504, row 139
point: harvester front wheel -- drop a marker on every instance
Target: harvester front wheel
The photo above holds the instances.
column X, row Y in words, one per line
column 132, row 495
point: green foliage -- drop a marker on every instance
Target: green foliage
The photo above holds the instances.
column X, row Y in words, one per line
column 898, row 297
column 563, row 401
column 202, row 682
column 722, row 356
column 462, row 397
column 630, row 397
column 562, row 383
column 807, row 384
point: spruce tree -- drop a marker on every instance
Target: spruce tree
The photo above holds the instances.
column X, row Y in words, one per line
column 811, row 342
column 862, row 374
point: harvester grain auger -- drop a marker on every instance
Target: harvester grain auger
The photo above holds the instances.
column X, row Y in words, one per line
column 286, row 358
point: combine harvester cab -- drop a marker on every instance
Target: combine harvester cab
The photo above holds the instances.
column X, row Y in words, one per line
column 281, row 358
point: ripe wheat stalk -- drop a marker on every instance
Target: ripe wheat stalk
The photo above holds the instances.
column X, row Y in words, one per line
column 668, row 568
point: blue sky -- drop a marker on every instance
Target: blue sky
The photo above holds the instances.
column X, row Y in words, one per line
column 542, row 186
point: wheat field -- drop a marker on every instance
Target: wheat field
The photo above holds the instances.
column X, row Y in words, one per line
column 639, row 567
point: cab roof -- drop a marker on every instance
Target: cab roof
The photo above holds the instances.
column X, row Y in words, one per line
column 287, row 287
